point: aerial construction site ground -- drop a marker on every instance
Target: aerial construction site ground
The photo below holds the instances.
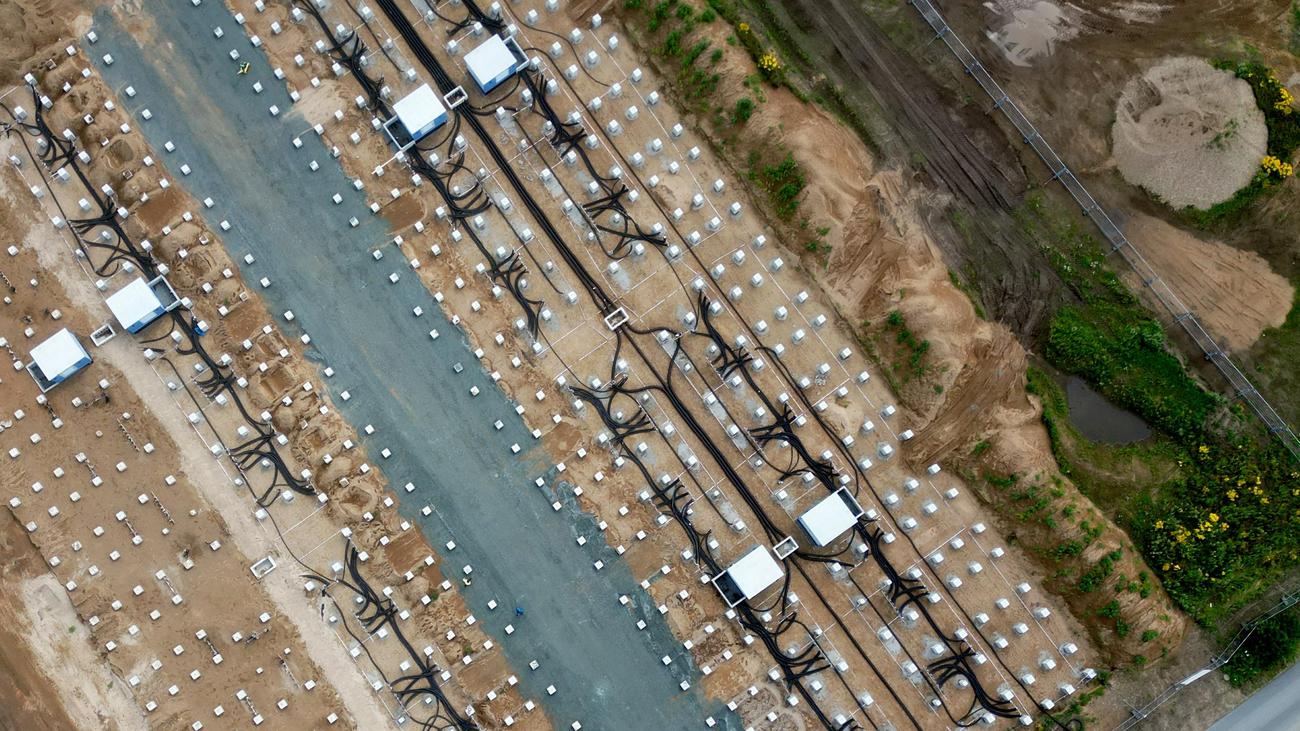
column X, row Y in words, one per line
column 721, row 365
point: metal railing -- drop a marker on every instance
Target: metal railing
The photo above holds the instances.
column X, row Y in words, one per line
column 1214, row 663
column 1181, row 313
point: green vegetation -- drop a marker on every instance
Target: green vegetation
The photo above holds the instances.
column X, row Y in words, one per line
column 1223, row 519
column 670, row 25
column 1119, row 348
column 1108, row 338
column 819, row 89
column 742, row 111
column 1092, row 578
column 1273, row 359
column 1226, row 528
column 1271, row 646
column 783, row 180
column 970, row 293
column 779, row 34
column 1064, row 717
column 914, row 349
column 1293, row 38
column 1224, row 136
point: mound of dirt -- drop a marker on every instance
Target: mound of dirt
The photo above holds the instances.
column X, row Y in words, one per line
column 1188, row 133
column 1234, row 293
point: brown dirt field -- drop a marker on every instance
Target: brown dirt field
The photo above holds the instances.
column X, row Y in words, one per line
column 26, row 25
column 28, row 698
column 195, row 257
column 1235, row 293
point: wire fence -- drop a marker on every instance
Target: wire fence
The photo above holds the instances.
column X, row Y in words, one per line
column 1217, row 661
column 1119, row 243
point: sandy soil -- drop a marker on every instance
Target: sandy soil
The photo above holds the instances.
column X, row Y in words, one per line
column 1234, row 293
column 308, row 436
column 651, row 290
column 1188, row 133
column 26, row 25
column 39, row 633
column 219, row 592
column 67, row 658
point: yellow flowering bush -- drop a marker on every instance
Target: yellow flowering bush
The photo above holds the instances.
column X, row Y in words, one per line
column 1225, row 527
column 1285, row 103
column 1275, row 168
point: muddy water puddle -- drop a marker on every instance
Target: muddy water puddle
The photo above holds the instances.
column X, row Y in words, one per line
column 1100, row 420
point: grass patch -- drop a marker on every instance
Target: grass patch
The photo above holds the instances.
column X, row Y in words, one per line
column 743, row 110
column 1273, row 358
column 915, row 349
column 1124, row 353
column 783, row 180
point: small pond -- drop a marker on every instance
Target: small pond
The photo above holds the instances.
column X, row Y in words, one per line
column 1100, row 420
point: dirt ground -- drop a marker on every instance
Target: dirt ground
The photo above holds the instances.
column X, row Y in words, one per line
column 886, row 256
column 223, row 595
column 646, row 287
column 29, row 699
column 1235, row 293
column 27, row 25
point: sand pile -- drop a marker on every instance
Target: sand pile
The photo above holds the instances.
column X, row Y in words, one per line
column 1235, row 293
column 1188, row 133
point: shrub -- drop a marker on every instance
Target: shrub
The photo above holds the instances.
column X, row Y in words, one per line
column 1226, row 527
column 784, row 183
column 1122, row 351
column 672, row 45
column 743, row 110
column 1275, row 101
column 1271, row 646
column 1092, row 579
column 1283, row 123
column 661, row 12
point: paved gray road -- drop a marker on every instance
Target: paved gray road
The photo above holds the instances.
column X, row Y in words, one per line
column 1275, row 707
column 608, row 674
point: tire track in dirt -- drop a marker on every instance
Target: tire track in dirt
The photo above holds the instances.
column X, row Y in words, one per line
column 963, row 153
